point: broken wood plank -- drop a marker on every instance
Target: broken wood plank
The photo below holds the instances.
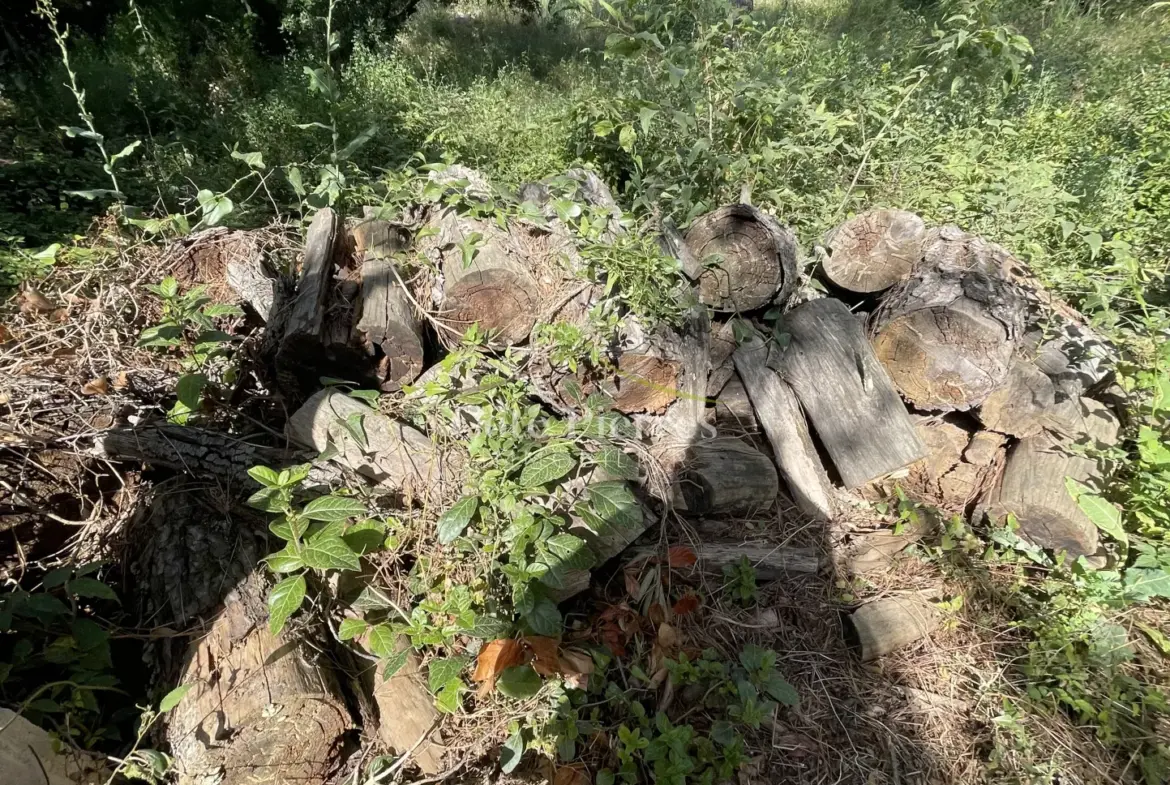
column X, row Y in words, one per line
column 301, row 345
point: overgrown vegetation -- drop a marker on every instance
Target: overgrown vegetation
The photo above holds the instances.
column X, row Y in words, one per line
column 1043, row 125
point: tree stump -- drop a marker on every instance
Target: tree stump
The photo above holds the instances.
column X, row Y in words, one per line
column 850, row 401
column 946, row 336
column 873, row 251
column 750, row 258
column 1033, row 486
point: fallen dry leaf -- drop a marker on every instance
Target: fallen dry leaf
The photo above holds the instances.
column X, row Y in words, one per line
column 32, row 300
column 633, row 585
column 5, row 334
column 576, row 667
column 681, row 556
column 59, row 315
column 545, row 657
column 668, row 637
column 121, row 381
column 98, row 386
column 688, row 603
column 656, row 614
column 571, row 775
column 494, row 658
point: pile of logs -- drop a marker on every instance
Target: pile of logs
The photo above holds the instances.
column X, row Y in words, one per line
column 938, row 363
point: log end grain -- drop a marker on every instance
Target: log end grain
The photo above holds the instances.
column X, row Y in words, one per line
column 748, row 258
column 892, row 623
column 874, row 250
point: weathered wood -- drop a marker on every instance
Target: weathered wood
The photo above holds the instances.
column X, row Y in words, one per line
column 874, row 250
column 406, row 712
column 850, row 401
column 722, row 367
column 1033, row 484
column 386, row 326
column 780, row 416
column 771, row 562
column 30, row 756
column 673, row 244
column 229, row 263
column 725, row 476
column 1022, row 405
column 750, row 259
column 733, row 409
column 394, row 454
column 301, row 346
column 689, row 347
column 946, row 336
column 261, row 709
column 891, row 623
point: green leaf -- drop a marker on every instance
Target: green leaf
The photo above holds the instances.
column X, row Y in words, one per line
column 442, row 670
column 218, row 310
column 353, row 425
column 570, row 552
column 365, row 537
column 615, row 505
column 382, row 640
column 1156, row 637
column 330, row 553
column 215, row 206
column 351, row 628
column 284, row 560
column 289, row 527
column 57, row 577
column 93, row 194
column 1104, row 515
column 448, row 700
column 546, row 468
column 520, row 681
column 172, row 698
column 253, row 160
column 545, row 618
column 368, row 396
column 626, row 138
column 394, row 663
column 1094, row 240
column 1143, row 583
column 780, row 690
column 296, row 181
column 511, row 752
column 190, row 389
column 125, row 151
column 283, row 601
column 489, row 628
column 73, row 131
column 617, row 463
column 90, row 587
column 454, row 521
column 356, row 143
column 333, row 508
column 267, row 477
column 646, row 116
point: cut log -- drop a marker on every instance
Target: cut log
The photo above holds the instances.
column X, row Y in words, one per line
column 944, row 442
column 1033, row 484
column 850, row 401
column 261, row 709
column 750, row 259
column 406, row 712
column 780, row 416
column 378, row 239
column 725, row 477
column 946, row 336
column 386, row 326
column 393, row 455
column 771, row 562
column 30, row 756
column 494, row 289
column 297, row 359
column 1022, row 406
column 886, row 625
column 873, row 251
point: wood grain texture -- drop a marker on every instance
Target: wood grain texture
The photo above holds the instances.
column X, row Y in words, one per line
column 407, row 713
column 771, row 562
column 749, row 259
column 850, row 401
column 1022, row 405
column 874, row 250
column 304, row 326
column 726, row 477
column 386, row 326
column 891, row 623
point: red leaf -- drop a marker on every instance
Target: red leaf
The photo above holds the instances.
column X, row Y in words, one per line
column 494, row 658
column 688, row 603
column 545, row 657
column 681, row 556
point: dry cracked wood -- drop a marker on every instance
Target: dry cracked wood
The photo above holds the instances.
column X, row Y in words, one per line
column 1022, row 406
column 749, row 258
column 874, row 250
column 725, row 477
column 386, row 327
column 298, row 358
column 891, row 623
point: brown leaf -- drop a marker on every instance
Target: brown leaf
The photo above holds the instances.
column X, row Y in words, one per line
column 681, row 556
column 656, row 614
column 688, row 603
column 5, row 334
column 121, row 381
column 633, row 585
column 545, row 657
column 98, row 386
column 571, row 775
column 576, row 667
column 59, row 315
column 32, row 300
column 668, row 637
column 494, row 658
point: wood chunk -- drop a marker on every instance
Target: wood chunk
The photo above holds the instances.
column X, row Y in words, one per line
column 394, row 455
column 644, row 383
column 750, row 259
column 946, row 336
column 386, row 320
column 985, row 448
column 722, row 367
column 30, row 756
column 891, row 623
column 726, row 477
column 229, row 262
column 771, row 562
column 304, row 329
column 944, row 442
column 261, row 709
column 733, row 408
column 1033, row 483
column 874, row 250
column 1020, row 407
column 850, row 400
column 378, row 239
column 780, row 416
column 407, row 713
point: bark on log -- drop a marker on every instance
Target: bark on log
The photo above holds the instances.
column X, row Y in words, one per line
column 946, row 336
column 1022, row 406
column 886, row 625
column 386, row 321
column 771, row 562
column 751, row 258
column 1033, row 484
column 781, row 418
column 850, row 401
column 297, row 359
column 261, row 709
column 722, row 366
column 873, row 251
column 394, row 455
column 725, row 477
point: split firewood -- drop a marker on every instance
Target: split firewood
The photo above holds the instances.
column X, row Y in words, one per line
column 946, row 336
column 1033, row 486
column 771, row 562
column 850, row 401
column 780, row 417
column 386, row 451
column 749, row 258
column 261, row 708
column 722, row 366
column 1022, row 405
column 891, row 623
column 406, row 712
column 580, row 185
column 876, row 551
column 386, row 323
column 873, row 251
column 733, row 409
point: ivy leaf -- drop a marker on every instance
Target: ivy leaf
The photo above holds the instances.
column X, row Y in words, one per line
column 455, row 520
column 172, row 698
column 442, row 670
column 511, row 752
column 330, row 553
column 547, row 468
column 617, row 463
column 333, row 508
column 283, row 601
column 544, row 618
column 520, row 681
column 351, row 628
column 1105, row 516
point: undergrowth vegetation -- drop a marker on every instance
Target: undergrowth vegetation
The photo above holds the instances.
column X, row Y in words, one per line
column 1042, row 125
